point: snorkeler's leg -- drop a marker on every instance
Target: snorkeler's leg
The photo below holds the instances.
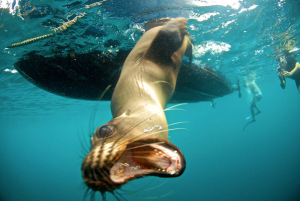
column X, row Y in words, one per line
column 239, row 88
column 252, row 106
column 298, row 84
column 256, row 99
column 257, row 109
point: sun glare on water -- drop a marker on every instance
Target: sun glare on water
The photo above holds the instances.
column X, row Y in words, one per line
column 11, row 5
column 235, row 4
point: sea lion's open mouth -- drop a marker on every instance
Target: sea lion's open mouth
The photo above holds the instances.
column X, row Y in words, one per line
column 148, row 157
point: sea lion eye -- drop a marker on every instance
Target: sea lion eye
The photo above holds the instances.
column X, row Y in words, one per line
column 105, row 131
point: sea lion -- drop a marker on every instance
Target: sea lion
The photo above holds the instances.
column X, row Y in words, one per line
column 135, row 142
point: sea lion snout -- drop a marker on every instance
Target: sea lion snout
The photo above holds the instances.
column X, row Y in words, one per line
column 121, row 153
column 96, row 165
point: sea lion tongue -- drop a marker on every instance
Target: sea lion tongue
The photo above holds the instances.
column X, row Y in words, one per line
column 148, row 157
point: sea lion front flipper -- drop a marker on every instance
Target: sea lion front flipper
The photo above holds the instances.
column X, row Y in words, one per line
column 170, row 38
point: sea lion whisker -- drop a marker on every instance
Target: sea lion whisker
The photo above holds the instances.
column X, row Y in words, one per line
column 92, row 119
column 165, row 82
column 176, row 109
column 94, row 111
column 144, row 145
column 182, row 122
column 132, row 193
column 144, row 189
column 147, row 135
column 95, row 174
column 104, row 92
column 103, row 196
column 160, row 131
column 130, row 130
column 174, row 106
column 87, row 143
column 121, row 197
column 81, row 152
column 138, row 138
column 83, row 186
column 114, row 194
column 125, row 133
column 151, row 197
column 101, row 173
column 86, row 192
column 84, row 147
column 105, row 173
column 92, row 198
column 141, row 136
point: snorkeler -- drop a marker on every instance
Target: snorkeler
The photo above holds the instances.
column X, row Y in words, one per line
column 289, row 67
column 257, row 95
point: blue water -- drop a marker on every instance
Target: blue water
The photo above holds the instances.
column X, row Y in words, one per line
column 42, row 133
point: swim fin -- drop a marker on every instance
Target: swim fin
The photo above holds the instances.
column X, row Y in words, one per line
column 248, row 124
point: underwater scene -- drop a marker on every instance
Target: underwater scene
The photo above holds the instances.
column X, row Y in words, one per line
column 182, row 100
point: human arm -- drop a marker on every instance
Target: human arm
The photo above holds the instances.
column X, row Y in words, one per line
column 292, row 72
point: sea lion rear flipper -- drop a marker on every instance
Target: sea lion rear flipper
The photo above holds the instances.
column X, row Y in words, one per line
column 168, row 40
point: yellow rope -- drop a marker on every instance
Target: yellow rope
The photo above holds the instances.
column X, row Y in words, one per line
column 25, row 42
column 59, row 29
column 95, row 4
column 67, row 24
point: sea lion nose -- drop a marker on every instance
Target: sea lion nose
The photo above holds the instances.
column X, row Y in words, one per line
column 97, row 179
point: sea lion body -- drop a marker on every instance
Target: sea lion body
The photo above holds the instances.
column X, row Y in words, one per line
column 146, row 77
column 135, row 142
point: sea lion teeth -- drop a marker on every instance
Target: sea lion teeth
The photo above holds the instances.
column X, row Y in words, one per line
column 173, row 172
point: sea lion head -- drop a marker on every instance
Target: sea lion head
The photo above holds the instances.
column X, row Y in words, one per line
column 130, row 147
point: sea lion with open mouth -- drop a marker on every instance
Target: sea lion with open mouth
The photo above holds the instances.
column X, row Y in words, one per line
column 135, row 142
